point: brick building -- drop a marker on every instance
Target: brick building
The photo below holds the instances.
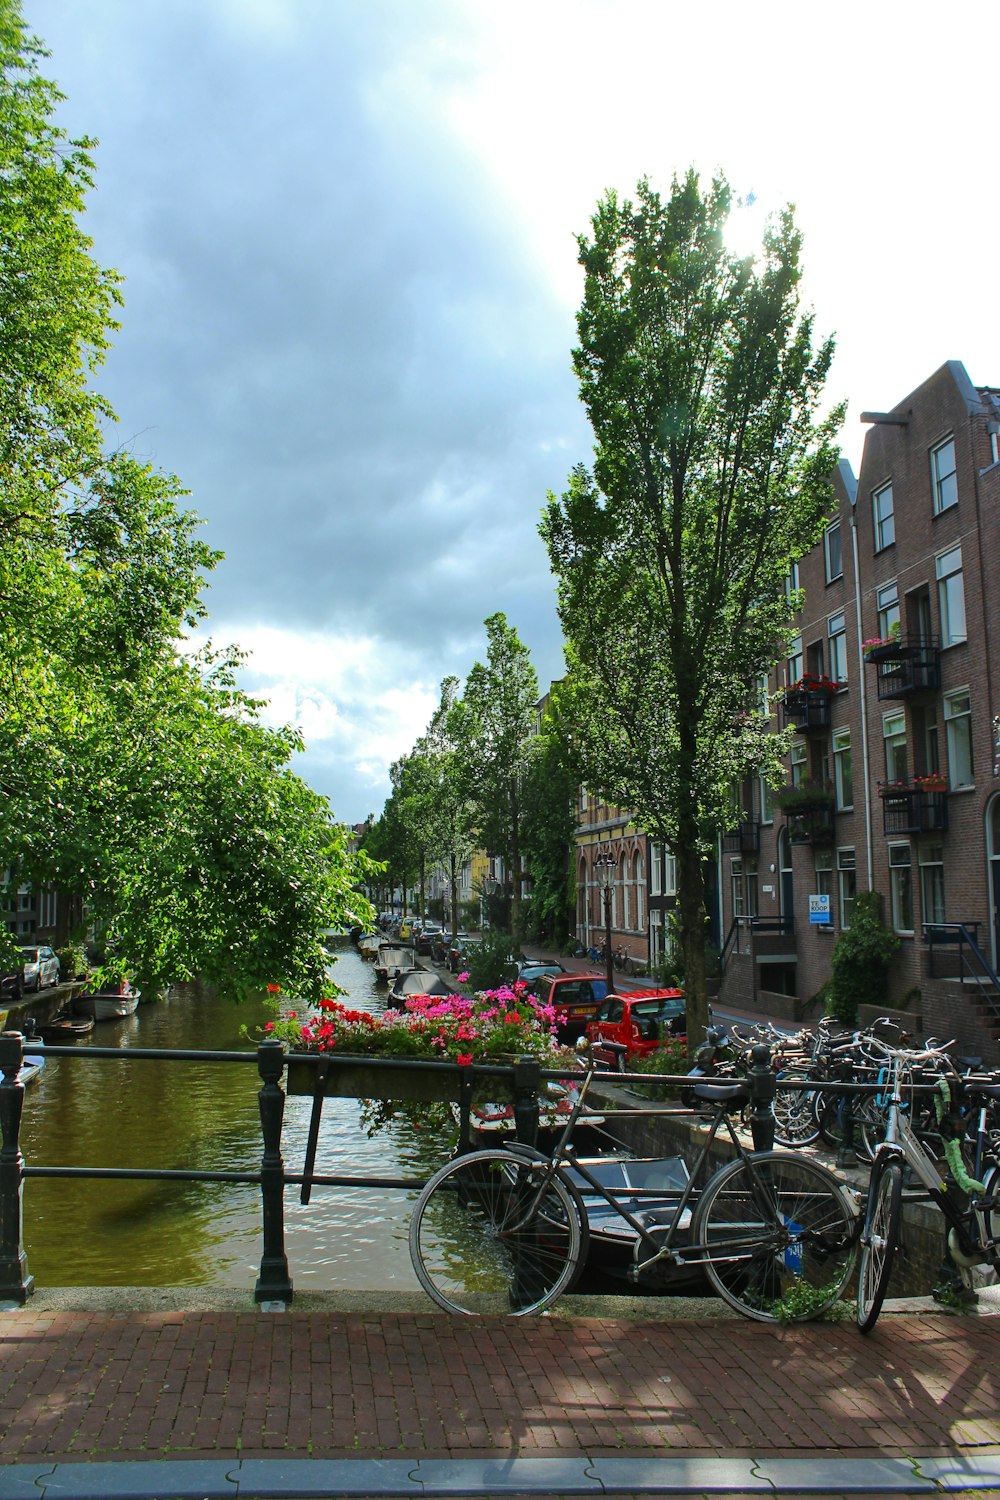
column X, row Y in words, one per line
column 893, row 684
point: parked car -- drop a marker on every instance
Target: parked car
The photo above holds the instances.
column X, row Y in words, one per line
column 439, row 947
column 640, row 1021
column 10, row 987
column 426, row 937
column 406, row 926
column 40, row 967
column 458, row 951
column 525, row 971
column 576, row 996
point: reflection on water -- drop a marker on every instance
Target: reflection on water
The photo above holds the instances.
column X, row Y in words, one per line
column 197, row 1115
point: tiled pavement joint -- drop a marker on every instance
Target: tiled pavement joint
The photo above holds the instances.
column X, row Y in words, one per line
column 577, row 1476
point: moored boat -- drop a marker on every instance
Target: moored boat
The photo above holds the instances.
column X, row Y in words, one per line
column 107, row 1004
column 391, row 961
column 65, row 1028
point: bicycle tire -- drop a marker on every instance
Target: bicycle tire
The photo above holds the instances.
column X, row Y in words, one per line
column 878, row 1246
column 773, row 1224
column 471, row 1254
column 795, row 1121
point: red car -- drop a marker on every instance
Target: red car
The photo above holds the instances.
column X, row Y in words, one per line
column 640, row 1021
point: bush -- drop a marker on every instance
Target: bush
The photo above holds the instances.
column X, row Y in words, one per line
column 669, row 1057
column 488, row 961
column 860, row 963
column 72, row 962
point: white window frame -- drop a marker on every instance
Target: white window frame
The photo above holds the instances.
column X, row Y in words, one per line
column 894, row 738
column 843, row 780
column 836, row 626
column 931, row 861
column 951, row 596
column 795, row 660
column 887, row 604
column 847, row 886
column 900, row 889
column 883, row 517
column 830, row 563
column 957, row 712
column 655, row 869
column 799, row 758
column 944, row 480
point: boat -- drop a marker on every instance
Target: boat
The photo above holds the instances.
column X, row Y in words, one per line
column 648, row 1188
column 369, row 943
column 108, row 1004
column 490, row 1121
column 417, row 982
column 32, row 1067
column 64, row 1028
column 392, row 960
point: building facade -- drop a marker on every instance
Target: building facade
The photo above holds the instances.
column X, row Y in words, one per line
column 893, row 687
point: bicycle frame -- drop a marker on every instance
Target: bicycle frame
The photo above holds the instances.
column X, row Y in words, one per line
column 902, row 1144
column 662, row 1245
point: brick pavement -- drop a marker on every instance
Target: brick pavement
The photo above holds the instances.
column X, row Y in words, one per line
column 87, row 1385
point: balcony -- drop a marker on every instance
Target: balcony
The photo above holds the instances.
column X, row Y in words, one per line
column 743, row 839
column 909, row 665
column 808, row 807
column 914, row 808
column 808, row 704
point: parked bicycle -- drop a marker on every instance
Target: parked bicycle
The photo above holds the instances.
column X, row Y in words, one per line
column 972, row 1229
column 505, row 1230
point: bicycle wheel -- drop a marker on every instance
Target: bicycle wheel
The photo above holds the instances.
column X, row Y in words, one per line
column 795, row 1122
column 475, row 1251
column 779, row 1237
column 878, row 1243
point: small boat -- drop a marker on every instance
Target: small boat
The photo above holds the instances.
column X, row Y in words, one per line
column 369, row 943
column 648, row 1188
column 109, row 1004
column 64, row 1028
column 391, row 961
column 488, row 1122
column 417, row 982
column 32, row 1068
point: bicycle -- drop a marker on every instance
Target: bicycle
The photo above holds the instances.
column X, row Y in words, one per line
column 505, row 1230
column 972, row 1230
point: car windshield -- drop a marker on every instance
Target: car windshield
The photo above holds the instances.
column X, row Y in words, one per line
column 30, row 955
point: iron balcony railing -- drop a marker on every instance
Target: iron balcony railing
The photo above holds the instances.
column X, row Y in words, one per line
column 909, row 665
column 910, row 808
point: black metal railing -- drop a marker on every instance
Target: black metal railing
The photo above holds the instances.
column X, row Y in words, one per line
column 912, row 809
column 809, row 710
column 968, row 962
column 363, row 1077
column 909, row 665
column 743, row 839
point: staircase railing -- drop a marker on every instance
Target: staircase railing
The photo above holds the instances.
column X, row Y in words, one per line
column 973, row 965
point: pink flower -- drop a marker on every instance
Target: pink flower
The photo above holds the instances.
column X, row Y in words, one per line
column 463, row 977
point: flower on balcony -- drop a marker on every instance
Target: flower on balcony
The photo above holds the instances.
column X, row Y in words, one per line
column 804, row 796
column 934, row 781
column 809, row 682
column 879, row 643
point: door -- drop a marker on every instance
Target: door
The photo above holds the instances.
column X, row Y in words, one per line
column 787, row 881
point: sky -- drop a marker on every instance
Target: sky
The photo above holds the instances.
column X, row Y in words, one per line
column 348, row 235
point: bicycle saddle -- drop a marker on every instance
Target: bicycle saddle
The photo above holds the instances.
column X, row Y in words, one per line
column 722, row 1093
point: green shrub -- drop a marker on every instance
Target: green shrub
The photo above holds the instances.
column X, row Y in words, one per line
column 72, row 962
column 669, row 1057
column 860, row 962
column 489, row 960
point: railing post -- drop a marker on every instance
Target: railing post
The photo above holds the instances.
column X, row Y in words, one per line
column 273, row 1283
column 527, row 1081
column 15, row 1283
column 763, row 1086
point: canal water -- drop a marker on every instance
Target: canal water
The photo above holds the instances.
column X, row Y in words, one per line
column 117, row 1113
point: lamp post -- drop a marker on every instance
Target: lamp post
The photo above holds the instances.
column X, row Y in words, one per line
column 606, row 863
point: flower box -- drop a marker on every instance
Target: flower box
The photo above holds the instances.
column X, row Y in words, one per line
column 367, row 1078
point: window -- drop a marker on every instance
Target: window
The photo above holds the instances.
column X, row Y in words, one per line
column 736, row 889
column 951, row 596
column 799, row 756
column 792, row 584
column 884, row 518
column 655, row 869
column 824, row 883
column 814, row 659
column 896, row 760
column 847, row 885
column 794, row 660
column 887, row 603
column 832, row 552
column 752, row 907
column 842, row 781
column 766, row 801
column 901, row 887
column 837, row 628
column 958, row 730
column 932, row 883
column 943, row 476
column 669, row 874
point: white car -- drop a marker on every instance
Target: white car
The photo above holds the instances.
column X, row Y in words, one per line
column 40, row 968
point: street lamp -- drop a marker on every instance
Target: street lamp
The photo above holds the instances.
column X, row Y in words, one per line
column 606, row 863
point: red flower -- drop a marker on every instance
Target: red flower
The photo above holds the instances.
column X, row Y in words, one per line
column 465, row 1059
column 513, row 1018
column 274, row 989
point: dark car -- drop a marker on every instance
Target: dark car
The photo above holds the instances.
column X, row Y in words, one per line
column 440, row 946
column 458, row 951
column 530, row 972
column 426, row 938
column 10, row 987
column 577, row 996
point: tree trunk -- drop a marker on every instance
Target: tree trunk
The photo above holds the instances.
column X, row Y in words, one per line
column 691, row 900
column 454, row 896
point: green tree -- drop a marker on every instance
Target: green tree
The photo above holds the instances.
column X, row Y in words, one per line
column 549, row 790
column 711, row 474
column 451, row 816
column 130, row 775
column 494, row 724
